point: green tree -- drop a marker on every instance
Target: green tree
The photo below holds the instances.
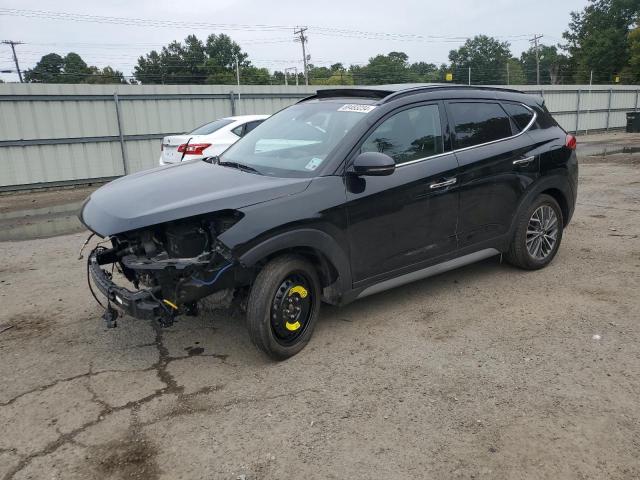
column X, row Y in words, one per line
column 632, row 72
column 74, row 69
column 424, row 72
column 598, row 38
column 391, row 68
column 149, row 69
column 554, row 66
column 222, row 53
column 47, row 70
column 105, row 76
column 487, row 58
column 196, row 62
column 516, row 75
column 254, row 76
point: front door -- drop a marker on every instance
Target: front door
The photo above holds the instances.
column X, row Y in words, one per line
column 405, row 219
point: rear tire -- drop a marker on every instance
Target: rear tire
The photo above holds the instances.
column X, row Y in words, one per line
column 538, row 234
column 283, row 306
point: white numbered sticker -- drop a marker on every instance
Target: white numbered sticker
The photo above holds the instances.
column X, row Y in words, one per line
column 313, row 163
column 355, row 107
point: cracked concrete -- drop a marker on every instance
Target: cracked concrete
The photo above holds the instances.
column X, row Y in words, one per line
column 485, row 372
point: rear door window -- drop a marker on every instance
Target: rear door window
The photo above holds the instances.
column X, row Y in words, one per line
column 408, row 135
column 520, row 114
column 476, row 123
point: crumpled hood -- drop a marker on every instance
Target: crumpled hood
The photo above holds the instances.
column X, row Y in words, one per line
column 179, row 191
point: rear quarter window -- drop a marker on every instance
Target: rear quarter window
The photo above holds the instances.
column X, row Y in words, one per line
column 520, row 114
column 476, row 123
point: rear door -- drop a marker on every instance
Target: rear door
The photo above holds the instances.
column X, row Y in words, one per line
column 399, row 221
column 495, row 167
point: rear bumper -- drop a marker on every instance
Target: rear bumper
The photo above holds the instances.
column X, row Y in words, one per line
column 163, row 162
column 139, row 304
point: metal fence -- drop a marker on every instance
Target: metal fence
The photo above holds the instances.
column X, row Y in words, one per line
column 65, row 134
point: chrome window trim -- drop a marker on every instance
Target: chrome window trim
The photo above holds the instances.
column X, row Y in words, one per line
column 455, row 150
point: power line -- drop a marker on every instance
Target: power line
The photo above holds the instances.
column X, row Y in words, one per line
column 319, row 30
column 15, row 57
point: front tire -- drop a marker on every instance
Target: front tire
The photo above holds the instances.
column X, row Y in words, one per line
column 283, row 306
column 538, row 234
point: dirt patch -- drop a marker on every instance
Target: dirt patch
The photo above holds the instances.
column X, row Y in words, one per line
column 127, row 459
column 616, row 159
column 11, row 202
column 29, row 325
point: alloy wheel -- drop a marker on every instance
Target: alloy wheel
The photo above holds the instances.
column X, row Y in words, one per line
column 542, row 232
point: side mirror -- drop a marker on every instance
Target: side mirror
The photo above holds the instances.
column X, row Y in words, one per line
column 373, row 164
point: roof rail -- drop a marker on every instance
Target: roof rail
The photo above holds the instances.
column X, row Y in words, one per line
column 387, row 93
column 418, row 89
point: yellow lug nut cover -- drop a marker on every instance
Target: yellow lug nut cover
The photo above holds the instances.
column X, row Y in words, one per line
column 292, row 326
column 300, row 290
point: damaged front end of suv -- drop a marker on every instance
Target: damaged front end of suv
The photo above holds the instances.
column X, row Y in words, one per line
column 162, row 249
column 171, row 266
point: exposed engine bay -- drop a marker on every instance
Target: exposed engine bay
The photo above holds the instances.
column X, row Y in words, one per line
column 171, row 266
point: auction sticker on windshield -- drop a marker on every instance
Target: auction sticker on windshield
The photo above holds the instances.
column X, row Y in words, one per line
column 314, row 163
column 354, row 107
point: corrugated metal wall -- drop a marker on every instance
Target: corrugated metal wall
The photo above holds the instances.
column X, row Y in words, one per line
column 52, row 134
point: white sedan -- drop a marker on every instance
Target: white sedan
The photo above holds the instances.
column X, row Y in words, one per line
column 209, row 140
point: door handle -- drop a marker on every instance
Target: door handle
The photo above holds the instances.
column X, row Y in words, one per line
column 524, row 161
column 446, row 183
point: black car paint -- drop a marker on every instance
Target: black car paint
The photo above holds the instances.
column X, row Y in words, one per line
column 366, row 241
column 363, row 229
column 187, row 189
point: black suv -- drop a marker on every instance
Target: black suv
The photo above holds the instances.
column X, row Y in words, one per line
column 346, row 193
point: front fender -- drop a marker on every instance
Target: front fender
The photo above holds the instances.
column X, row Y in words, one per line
column 306, row 237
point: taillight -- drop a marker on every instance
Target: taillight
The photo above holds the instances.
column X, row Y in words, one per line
column 571, row 142
column 193, row 148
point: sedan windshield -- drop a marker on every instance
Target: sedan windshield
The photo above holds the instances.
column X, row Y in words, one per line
column 296, row 141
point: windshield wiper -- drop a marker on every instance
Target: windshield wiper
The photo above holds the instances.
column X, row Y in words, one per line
column 213, row 159
column 239, row 166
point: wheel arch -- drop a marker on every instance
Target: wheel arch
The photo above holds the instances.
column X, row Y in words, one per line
column 556, row 186
column 559, row 197
column 315, row 245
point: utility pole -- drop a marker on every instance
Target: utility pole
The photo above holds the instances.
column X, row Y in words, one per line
column 238, row 76
column 287, row 70
column 534, row 40
column 302, row 38
column 15, row 57
column 469, row 75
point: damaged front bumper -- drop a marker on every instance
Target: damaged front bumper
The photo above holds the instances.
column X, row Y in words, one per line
column 170, row 267
column 139, row 304
column 167, row 300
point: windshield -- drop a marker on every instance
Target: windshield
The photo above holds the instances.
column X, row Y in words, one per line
column 296, row 141
column 211, row 127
